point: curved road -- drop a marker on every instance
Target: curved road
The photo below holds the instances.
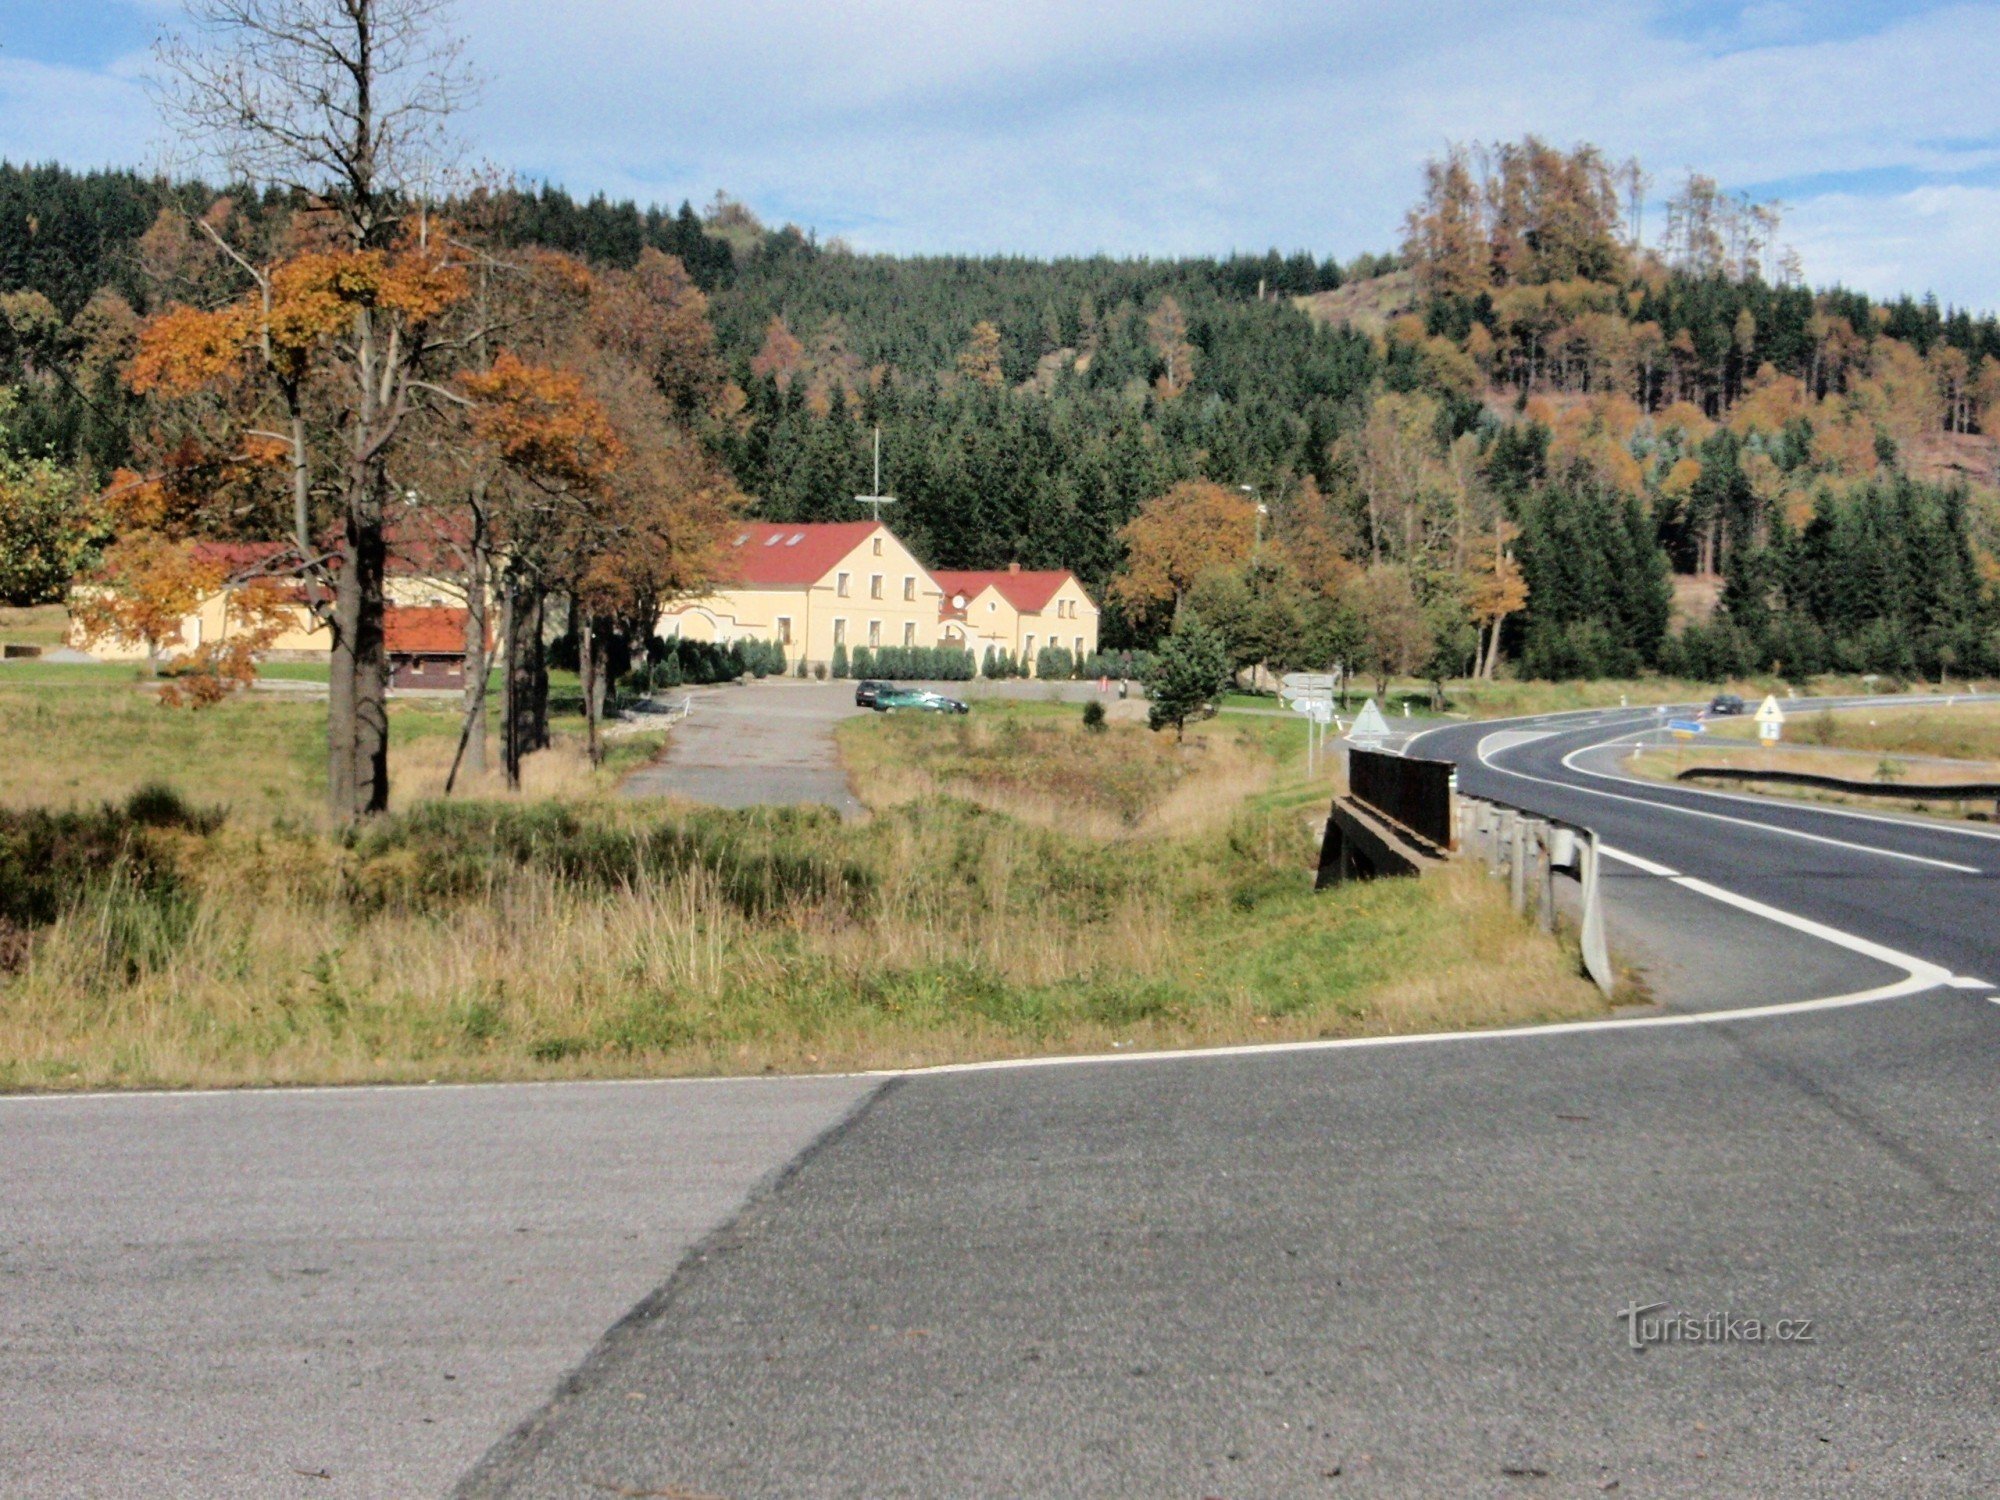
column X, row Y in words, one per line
column 1923, row 892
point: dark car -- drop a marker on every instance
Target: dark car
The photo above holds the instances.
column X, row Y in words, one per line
column 865, row 692
column 1724, row 704
column 921, row 700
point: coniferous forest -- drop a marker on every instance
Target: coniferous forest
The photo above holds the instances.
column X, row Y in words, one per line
column 1526, row 440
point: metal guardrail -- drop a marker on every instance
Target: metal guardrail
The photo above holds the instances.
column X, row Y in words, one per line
column 1531, row 850
column 1413, row 793
column 1949, row 791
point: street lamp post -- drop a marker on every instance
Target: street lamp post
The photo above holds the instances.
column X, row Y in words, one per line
column 1263, row 510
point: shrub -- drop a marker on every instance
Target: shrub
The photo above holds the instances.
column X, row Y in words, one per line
column 840, row 660
column 1093, row 716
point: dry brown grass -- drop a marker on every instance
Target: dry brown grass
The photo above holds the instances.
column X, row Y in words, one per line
column 1046, row 769
column 512, row 939
column 1928, row 726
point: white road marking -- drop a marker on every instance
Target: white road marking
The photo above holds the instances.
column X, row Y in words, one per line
column 1752, row 800
column 1645, row 865
column 1967, row 982
column 1694, row 812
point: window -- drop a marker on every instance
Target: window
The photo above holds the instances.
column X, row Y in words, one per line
column 874, row 633
column 909, row 589
column 909, row 632
column 875, row 586
column 1079, row 648
column 1028, row 649
column 840, row 632
column 784, row 630
column 878, row 546
column 840, row 585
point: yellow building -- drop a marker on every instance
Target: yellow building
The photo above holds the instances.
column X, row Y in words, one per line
column 1018, row 611
column 408, row 585
column 812, row 587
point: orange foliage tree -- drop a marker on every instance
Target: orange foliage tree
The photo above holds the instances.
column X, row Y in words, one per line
column 1196, row 527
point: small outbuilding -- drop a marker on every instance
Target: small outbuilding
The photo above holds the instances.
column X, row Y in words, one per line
column 426, row 646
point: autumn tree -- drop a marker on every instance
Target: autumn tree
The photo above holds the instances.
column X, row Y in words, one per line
column 1395, row 638
column 979, row 362
column 344, row 103
column 1167, row 330
column 1196, row 527
column 558, row 446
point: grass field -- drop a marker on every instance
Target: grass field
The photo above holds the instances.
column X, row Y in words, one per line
column 1022, row 887
column 97, row 737
column 43, row 625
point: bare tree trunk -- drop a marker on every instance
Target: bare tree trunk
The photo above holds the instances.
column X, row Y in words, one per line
column 522, row 627
column 589, row 644
column 478, row 572
column 370, row 659
column 538, row 678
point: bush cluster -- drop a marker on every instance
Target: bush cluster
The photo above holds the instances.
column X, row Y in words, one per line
column 441, row 853
column 997, row 664
column 53, row 862
column 913, row 663
column 680, row 662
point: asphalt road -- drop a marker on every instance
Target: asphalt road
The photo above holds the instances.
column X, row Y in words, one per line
column 1924, row 889
column 757, row 743
column 342, row 1292
column 1380, row 1269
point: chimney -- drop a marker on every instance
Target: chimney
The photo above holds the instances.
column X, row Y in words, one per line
column 1013, row 567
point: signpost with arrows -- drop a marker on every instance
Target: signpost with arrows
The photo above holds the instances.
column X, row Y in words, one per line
column 1311, row 694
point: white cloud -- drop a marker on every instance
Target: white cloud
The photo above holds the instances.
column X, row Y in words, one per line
column 1938, row 239
column 1177, row 125
column 83, row 117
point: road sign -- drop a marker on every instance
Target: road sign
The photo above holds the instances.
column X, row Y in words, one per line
column 1686, row 729
column 1369, row 725
column 1321, row 710
column 1306, row 682
column 1770, row 720
column 1310, row 706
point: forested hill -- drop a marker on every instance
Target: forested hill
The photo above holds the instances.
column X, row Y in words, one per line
column 1554, row 444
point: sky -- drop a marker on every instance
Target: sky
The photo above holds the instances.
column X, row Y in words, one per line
column 1167, row 127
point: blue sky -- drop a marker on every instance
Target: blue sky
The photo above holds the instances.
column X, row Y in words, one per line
column 1168, row 126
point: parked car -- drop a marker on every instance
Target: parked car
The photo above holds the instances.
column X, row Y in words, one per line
column 921, row 700
column 865, row 691
column 1724, row 704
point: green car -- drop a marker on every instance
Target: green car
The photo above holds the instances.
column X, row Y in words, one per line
column 922, row 700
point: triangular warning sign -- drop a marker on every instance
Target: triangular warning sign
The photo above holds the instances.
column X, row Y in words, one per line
column 1369, row 723
column 1770, row 713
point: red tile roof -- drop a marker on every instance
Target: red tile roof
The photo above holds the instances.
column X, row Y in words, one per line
column 767, row 556
column 1027, row 591
column 424, row 630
